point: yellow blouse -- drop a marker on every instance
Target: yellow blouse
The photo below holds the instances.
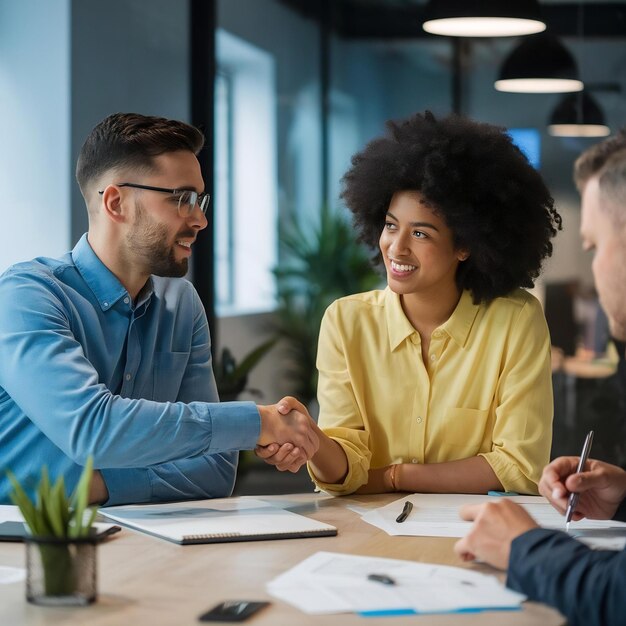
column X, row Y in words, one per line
column 485, row 389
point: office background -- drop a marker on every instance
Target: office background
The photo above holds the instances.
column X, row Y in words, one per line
column 286, row 91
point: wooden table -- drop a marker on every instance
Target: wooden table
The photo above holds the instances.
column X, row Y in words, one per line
column 148, row 581
column 588, row 368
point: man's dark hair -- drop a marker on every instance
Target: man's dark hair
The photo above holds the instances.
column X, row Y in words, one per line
column 132, row 140
column 474, row 177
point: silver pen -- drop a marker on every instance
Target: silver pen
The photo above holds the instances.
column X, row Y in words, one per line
column 572, row 502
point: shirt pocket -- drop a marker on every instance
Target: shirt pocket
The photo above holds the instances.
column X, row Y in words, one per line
column 168, row 374
column 465, row 432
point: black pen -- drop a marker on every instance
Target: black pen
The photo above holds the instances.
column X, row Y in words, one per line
column 408, row 507
column 572, row 502
column 381, row 578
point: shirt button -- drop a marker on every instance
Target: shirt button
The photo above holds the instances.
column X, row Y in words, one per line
column 128, row 376
column 437, row 334
column 413, row 460
column 432, row 357
column 414, row 339
column 126, row 300
column 419, row 420
column 105, row 303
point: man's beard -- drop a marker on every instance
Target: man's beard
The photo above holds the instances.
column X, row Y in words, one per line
column 148, row 243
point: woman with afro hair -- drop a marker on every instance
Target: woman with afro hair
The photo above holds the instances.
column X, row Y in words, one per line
column 441, row 382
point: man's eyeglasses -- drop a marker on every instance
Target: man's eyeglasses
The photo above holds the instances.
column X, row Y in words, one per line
column 187, row 198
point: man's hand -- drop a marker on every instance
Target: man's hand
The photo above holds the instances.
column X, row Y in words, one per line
column 496, row 524
column 601, row 487
column 288, row 421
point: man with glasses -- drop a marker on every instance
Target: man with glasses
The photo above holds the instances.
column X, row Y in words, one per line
column 105, row 352
column 587, row 586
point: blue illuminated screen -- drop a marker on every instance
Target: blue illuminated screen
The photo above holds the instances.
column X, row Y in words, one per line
column 528, row 140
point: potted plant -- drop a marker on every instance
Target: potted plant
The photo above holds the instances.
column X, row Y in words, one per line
column 60, row 550
column 231, row 377
column 320, row 264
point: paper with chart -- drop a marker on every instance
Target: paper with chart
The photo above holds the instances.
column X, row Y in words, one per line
column 437, row 515
column 338, row 583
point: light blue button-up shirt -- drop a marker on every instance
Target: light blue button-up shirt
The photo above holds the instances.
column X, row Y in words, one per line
column 85, row 371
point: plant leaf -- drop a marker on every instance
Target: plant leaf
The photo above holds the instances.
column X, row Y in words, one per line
column 25, row 504
column 80, row 500
column 54, row 505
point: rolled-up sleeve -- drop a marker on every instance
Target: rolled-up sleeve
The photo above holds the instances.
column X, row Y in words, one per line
column 340, row 416
column 522, row 433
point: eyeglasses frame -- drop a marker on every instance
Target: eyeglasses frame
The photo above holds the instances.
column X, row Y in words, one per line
column 201, row 199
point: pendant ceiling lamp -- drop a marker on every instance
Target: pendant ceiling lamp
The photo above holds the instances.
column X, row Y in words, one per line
column 540, row 64
column 483, row 18
column 578, row 115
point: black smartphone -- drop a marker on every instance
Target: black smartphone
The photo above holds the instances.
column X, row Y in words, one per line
column 16, row 531
column 232, row 611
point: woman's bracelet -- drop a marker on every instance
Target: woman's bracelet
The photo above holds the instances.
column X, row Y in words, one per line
column 392, row 477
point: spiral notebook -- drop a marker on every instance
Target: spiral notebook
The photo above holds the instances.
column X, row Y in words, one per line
column 217, row 521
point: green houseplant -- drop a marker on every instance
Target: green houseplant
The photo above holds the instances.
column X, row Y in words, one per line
column 321, row 264
column 231, row 377
column 60, row 544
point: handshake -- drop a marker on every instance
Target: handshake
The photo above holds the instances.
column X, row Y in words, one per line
column 289, row 437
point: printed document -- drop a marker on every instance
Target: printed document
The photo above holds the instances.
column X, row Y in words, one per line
column 338, row 583
column 437, row 515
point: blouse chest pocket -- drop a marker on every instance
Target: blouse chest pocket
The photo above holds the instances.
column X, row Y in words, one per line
column 167, row 376
column 467, row 431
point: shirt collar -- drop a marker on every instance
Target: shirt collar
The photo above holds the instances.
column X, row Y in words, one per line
column 103, row 283
column 457, row 326
column 398, row 326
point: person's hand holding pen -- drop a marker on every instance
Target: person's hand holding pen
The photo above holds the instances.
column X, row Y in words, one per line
column 601, row 487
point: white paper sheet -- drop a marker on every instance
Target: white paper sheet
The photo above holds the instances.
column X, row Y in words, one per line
column 9, row 575
column 437, row 515
column 337, row 583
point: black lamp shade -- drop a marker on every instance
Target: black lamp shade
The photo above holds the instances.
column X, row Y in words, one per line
column 483, row 18
column 577, row 108
column 520, row 9
column 542, row 58
column 578, row 115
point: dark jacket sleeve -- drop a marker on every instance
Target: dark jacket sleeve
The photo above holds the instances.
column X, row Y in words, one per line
column 587, row 586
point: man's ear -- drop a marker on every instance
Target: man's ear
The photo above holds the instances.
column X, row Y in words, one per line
column 112, row 205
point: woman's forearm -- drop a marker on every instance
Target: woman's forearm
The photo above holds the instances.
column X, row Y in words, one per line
column 329, row 464
column 473, row 475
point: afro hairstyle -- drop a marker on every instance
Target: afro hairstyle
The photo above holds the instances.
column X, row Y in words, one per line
column 473, row 176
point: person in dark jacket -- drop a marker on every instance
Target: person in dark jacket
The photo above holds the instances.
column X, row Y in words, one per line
column 587, row 586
